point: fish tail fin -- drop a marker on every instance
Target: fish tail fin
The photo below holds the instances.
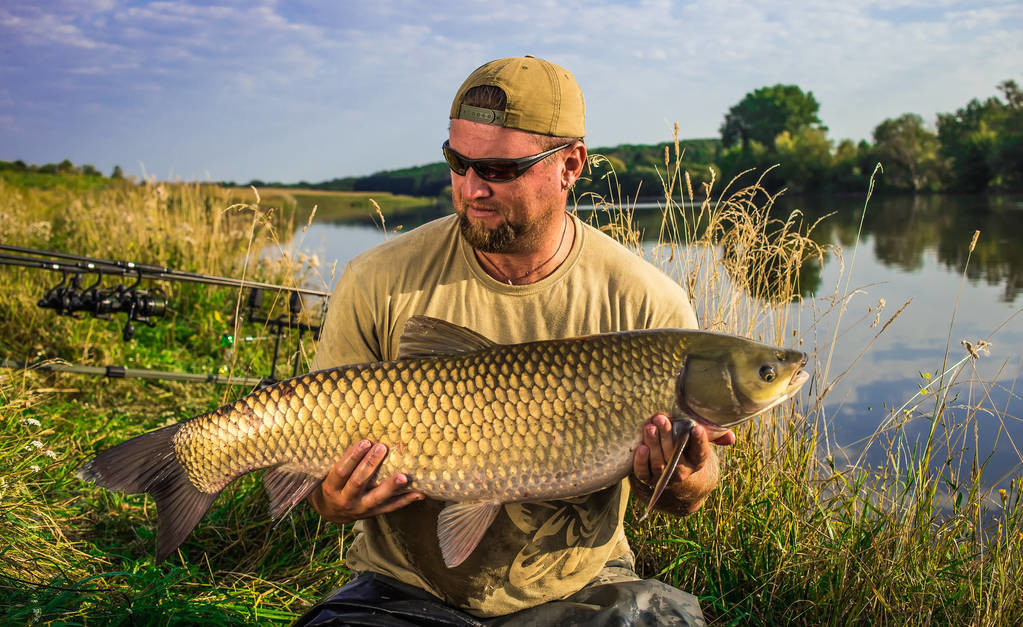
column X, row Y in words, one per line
column 147, row 463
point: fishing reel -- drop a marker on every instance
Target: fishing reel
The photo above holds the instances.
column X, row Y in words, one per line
column 64, row 298
column 141, row 306
column 68, row 298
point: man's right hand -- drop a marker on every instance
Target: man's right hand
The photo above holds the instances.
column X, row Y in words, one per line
column 345, row 494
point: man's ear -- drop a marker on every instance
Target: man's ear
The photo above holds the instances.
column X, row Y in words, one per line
column 575, row 161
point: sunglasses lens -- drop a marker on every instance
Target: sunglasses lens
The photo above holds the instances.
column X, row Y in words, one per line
column 455, row 162
column 496, row 170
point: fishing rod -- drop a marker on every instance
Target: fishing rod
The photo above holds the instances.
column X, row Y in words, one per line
column 121, row 372
column 70, row 298
column 80, row 264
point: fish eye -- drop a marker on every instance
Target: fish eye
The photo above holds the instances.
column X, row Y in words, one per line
column 767, row 373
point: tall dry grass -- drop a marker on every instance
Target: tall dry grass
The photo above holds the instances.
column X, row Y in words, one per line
column 190, row 227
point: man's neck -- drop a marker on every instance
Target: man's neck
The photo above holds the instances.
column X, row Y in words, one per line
column 527, row 268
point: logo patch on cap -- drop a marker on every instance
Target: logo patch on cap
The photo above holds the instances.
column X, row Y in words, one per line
column 481, row 115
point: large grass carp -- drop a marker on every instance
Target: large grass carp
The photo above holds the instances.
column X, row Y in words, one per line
column 470, row 422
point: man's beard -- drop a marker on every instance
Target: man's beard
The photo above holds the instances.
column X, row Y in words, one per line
column 506, row 238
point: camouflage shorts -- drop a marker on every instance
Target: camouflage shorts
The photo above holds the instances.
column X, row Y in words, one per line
column 616, row 597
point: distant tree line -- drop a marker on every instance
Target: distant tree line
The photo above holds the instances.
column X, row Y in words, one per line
column 65, row 167
column 424, row 180
column 977, row 148
column 776, row 129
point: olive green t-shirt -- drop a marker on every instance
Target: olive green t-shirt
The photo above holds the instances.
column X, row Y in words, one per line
column 533, row 552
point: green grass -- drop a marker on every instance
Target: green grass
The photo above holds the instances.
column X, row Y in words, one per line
column 74, row 554
column 795, row 533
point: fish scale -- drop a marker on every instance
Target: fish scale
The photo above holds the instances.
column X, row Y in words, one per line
column 469, row 421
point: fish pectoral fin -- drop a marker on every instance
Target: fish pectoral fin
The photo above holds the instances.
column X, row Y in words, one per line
column 681, row 435
column 287, row 488
column 460, row 526
column 424, row 336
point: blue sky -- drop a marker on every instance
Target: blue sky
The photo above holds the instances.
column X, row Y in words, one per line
column 305, row 90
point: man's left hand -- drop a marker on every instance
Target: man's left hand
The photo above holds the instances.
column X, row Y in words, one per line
column 697, row 470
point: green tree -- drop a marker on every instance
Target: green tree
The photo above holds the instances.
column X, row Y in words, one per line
column 984, row 141
column 804, row 158
column 118, row 173
column 614, row 163
column 908, row 152
column 754, row 156
column 18, row 165
column 1007, row 160
column 848, row 165
column 767, row 112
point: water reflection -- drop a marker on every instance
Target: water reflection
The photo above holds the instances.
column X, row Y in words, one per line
column 902, row 229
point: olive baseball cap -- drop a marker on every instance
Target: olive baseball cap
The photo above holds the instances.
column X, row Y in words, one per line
column 542, row 97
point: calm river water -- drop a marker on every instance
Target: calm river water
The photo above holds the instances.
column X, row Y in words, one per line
column 911, row 248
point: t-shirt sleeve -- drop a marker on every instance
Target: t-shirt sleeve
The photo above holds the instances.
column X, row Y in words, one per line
column 672, row 309
column 665, row 302
column 350, row 334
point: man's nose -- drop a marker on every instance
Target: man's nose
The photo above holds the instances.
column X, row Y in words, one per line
column 473, row 186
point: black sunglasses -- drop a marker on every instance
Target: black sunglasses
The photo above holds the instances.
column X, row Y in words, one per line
column 495, row 170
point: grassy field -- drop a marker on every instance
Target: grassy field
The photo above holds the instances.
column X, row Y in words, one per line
column 336, row 206
column 794, row 534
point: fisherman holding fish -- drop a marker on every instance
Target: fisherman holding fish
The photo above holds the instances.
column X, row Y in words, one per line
column 511, row 357
column 513, row 265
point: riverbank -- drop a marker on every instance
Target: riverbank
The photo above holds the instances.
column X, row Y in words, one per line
column 794, row 534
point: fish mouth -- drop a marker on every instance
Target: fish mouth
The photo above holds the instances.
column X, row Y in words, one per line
column 799, row 377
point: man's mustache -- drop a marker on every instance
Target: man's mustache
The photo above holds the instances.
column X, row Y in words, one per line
column 482, row 206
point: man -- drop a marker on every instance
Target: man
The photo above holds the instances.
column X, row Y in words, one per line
column 513, row 265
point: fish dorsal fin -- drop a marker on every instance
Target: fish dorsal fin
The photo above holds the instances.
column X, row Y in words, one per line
column 287, row 488
column 424, row 336
column 460, row 526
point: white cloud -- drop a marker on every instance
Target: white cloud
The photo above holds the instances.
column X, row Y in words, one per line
column 34, row 29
